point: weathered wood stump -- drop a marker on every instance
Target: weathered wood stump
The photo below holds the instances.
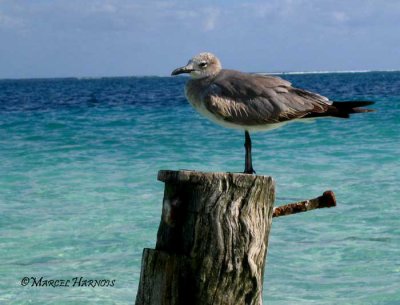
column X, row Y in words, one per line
column 212, row 240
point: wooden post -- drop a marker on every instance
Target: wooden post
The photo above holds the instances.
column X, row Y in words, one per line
column 212, row 240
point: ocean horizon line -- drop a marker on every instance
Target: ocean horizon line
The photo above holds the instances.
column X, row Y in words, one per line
column 326, row 72
column 154, row 75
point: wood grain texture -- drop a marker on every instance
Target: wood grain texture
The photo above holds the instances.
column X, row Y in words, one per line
column 212, row 240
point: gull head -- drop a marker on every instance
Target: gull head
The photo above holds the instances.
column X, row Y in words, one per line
column 201, row 66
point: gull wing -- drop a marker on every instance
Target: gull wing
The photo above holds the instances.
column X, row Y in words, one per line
column 252, row 99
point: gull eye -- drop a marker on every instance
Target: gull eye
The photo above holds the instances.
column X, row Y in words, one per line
column 203, row 64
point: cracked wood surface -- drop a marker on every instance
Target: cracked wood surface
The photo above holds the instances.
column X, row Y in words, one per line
column 212, row 240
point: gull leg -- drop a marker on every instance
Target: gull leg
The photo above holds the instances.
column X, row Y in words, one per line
column 248, row 166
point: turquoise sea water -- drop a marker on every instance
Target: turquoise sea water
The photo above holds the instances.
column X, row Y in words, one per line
column 79, row 195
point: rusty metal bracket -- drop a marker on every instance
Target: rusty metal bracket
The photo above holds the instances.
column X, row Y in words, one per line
column 327, row 200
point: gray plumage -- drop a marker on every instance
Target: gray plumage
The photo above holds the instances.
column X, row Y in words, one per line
column 252, row 101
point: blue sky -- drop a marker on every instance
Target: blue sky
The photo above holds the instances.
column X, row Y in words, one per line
column 56, row 38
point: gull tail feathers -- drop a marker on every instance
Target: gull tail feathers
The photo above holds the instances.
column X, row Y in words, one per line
column 343, row 109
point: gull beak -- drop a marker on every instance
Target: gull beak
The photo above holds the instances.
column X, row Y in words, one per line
column 186, row 69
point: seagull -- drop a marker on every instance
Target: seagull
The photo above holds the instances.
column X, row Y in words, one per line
column 254, row 102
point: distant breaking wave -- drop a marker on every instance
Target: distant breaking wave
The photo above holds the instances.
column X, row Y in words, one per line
column 324, row 72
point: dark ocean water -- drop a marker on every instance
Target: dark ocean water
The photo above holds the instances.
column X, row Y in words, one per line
column 79, row 195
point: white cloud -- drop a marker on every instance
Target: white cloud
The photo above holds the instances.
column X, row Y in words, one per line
column 260, row 10
column 282, row 34
column 8, row 22
column 103, row 7
column 211, row 18
column 340, row 16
